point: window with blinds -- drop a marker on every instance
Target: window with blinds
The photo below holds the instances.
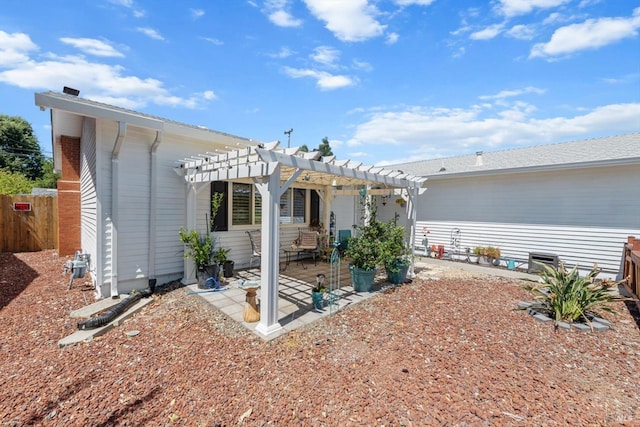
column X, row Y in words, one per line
column 242, row 206
column 247, row 205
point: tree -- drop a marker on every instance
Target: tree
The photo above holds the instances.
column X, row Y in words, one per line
column 14, row 183
column 323, row 148
column 49, row 177
column 19, row 148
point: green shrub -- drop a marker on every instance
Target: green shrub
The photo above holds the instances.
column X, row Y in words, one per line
column 569, row 297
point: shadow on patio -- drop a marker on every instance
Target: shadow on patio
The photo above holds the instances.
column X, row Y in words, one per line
column 295, row 308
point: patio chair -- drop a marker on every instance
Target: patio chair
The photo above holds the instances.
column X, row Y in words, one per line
column 256, row 245
column 308, row 242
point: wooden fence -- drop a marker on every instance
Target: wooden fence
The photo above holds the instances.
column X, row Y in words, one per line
column 632, row 266
column 28, row 231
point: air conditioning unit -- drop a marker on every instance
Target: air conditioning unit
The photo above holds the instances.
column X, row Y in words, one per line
column 540, row 257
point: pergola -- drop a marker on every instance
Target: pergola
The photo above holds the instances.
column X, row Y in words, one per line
column 273, row 170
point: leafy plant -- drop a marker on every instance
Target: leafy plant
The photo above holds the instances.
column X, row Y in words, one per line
column 199, row 247
column 489, row 252
column 221, row 255
column 569, row 297
column 376, row 243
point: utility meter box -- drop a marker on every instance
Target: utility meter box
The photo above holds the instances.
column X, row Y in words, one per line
column 541, row 257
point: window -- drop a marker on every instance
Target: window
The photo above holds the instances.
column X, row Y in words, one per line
column 247, row 205
column 242, row 203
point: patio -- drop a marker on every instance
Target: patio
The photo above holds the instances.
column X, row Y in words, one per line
column 295, row 308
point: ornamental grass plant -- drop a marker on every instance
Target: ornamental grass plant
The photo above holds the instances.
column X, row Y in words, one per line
column 568, row 297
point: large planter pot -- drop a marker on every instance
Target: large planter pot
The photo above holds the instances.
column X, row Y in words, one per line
column 362, row 280
column 208, row 276
column 227, row 268
column 397, row 273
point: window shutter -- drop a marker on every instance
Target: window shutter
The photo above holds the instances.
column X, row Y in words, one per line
column 221, row 221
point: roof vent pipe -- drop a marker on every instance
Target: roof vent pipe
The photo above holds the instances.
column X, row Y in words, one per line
column 479, row 158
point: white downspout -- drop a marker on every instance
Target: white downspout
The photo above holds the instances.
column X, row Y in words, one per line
column 153, row 200
column 122, row 133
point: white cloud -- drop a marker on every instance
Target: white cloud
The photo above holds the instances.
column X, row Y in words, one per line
column 512, row 8
column 284, row 52
column 324, row 80
column 93, row 47
column 522, row 32
column 196, row 13
column 214, row 41
column 440, row 132
column 591, row 34
column 362, row 65
column 488, row 33
column 284, row 19
column 150, row 32
column 416, row 2
column 350, row 21
column 15, row 48
column 392, row 38
column 99, row 82
column 511, row 93
column 278, row 13
column 326, row 56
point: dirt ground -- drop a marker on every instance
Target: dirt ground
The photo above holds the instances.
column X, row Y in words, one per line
column 449, row 352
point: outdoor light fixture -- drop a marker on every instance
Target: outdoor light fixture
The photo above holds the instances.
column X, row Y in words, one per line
column 307, row 177
column 363, row 192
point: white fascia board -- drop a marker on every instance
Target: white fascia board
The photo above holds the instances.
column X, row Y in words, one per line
column 79, row 107
column 543, row 168
column 339, row 171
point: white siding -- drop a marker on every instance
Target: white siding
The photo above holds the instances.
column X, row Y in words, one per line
column 587, row 197
column 133, row 206
column 88, row 196
column 584, row 216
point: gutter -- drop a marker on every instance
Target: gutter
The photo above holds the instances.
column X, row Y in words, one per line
column 122, row 133
column 153, row 200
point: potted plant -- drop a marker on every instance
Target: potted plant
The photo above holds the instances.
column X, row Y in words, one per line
column 394, row 252
column 318, row 291
column 199, row 247
column 221, row 257
column 487, row 255
column 364, row 250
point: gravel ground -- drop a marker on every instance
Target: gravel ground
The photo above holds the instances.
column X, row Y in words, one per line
column 434, row 352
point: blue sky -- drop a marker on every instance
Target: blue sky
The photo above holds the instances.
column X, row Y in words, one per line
column 387, row 81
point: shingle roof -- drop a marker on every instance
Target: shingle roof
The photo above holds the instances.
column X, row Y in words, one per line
column 612, row 149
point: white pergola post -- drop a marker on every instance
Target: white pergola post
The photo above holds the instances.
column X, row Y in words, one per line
column 190, row 224
column 269, row 261
column 412, row 212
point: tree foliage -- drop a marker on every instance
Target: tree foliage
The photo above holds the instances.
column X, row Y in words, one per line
column 14, row 183
column 324, row 148
column 19, row 148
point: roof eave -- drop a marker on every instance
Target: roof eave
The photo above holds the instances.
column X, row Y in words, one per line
column 541, row 168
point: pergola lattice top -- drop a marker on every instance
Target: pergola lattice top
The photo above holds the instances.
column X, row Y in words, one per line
column 259, row 160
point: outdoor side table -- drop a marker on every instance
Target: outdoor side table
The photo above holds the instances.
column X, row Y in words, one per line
column 288, row 252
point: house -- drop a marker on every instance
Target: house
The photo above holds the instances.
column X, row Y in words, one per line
column 577, row 201
column 130, row 181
